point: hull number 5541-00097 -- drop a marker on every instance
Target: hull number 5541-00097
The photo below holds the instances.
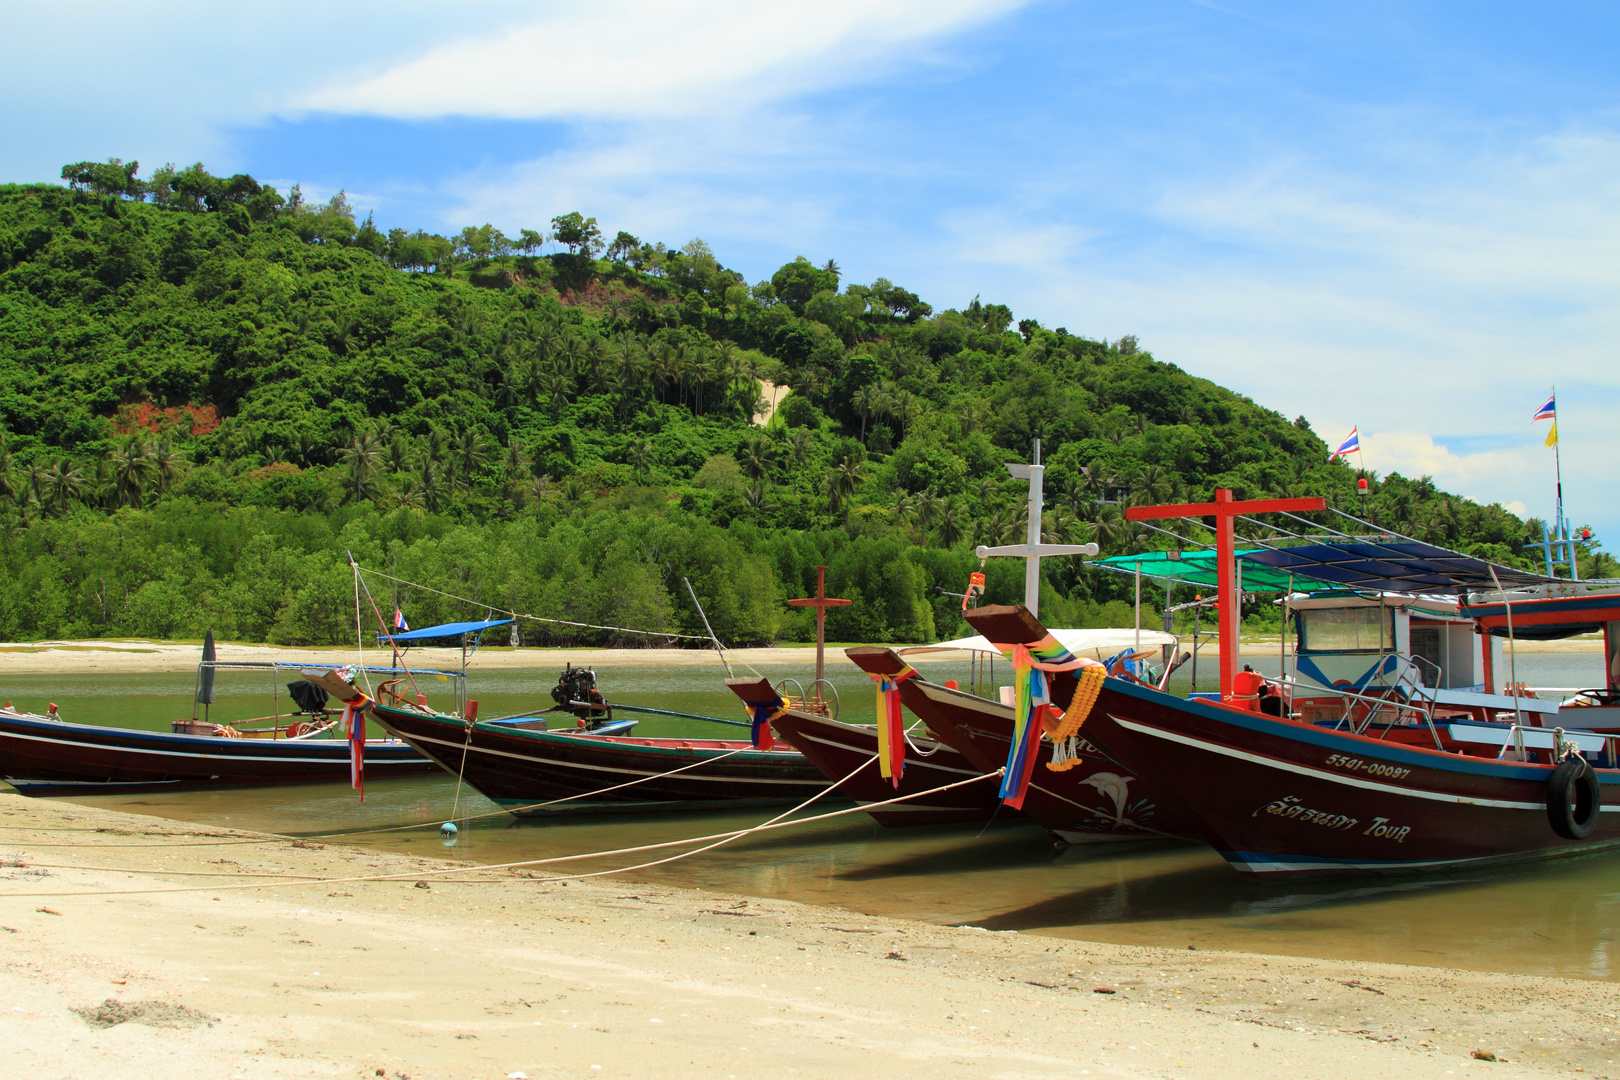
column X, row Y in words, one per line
column 1371, row 768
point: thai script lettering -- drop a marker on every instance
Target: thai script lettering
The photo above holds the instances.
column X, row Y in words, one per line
column 1371, row 768
column 1290, row 807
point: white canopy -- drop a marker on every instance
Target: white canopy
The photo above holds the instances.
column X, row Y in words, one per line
column 1097, row 643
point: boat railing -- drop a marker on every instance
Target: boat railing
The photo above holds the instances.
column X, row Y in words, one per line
column 803, row 701
column 1396, row 706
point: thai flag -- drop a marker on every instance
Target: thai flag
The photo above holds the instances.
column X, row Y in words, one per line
column 399, row 620
column 1548, row 411
column 1349, row 446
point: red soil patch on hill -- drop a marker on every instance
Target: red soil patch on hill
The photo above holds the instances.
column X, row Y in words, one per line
column 144, row 416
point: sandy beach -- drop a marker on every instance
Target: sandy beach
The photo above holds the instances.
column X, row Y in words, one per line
column 135, row 656
column 265, row 967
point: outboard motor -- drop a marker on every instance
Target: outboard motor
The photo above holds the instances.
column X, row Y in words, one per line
column 576, row 692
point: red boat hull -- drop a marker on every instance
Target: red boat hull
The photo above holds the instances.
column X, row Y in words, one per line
column 1094, row 801
column 521, row 767
column 44, row 757
column 1277, row 796
column 1280, row 796
column 838, row 749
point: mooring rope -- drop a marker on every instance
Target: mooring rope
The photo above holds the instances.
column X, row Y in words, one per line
column 531, row 806
column 443, row 874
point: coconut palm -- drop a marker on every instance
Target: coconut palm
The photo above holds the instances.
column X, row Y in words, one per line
column 950, row 523
column 61, row 484
column 169, row 465
column 360, row 460
column 754, row 457
column 640, row 457
column 130, row 470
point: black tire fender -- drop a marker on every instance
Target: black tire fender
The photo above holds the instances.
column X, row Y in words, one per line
column 1574, row 799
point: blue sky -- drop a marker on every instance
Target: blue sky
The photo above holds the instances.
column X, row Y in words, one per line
column 1399, row 216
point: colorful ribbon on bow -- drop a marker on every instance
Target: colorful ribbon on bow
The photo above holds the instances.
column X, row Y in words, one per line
column 1033, row 711
column 764, row 713
column 891, row 734
column 354, row 726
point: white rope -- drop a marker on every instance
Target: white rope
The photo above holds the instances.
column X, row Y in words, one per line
column 444, row 874
column 534, row 806
column 726, row 840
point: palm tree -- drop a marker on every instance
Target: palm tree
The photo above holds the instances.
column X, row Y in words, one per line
column 905, row 509
column 755, row 458
column 10, row 488
column 434, row 495
column 130, row 469
column 558, row 386
column 843, row 479
column 971, row 417
column 397, row 458
column 169, row 465
column 471, row 453
column 801, row 447
column 640, row 456
column 360, row 460
column 61, row 484
column 949, row 522
column 864, row 402
column 754, row 495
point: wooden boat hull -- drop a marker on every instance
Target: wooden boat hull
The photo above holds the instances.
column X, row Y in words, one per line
column 519, row 767
column 1284, row 797
column 837, row 749
column 44, row 757
column 1277, row 796
column 1095, row 801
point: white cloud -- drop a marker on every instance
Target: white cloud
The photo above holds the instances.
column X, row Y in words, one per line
column 633, row 58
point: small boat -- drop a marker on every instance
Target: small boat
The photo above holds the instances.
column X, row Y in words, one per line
column 1403, row 773
column 530, row 769
column 1092, row 801
column 47, row 755
column 839, row 749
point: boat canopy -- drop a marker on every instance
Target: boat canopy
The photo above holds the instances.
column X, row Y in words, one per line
column 1391, row 566
column 1198, row 568
column 1105, row 642
column 445, row 630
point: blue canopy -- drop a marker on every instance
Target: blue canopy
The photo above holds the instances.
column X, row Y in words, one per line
column 1392, row 566
column 454, row 629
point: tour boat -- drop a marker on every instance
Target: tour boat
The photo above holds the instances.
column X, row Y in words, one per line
column 847, row 755
column 1403, row 773
column 47, row 755
column 1089, row 801
column 520, row 764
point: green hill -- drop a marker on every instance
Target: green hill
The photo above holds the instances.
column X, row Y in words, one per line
column 212, row 391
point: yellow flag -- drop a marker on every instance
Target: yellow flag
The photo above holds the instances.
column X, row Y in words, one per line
column 1552, row 435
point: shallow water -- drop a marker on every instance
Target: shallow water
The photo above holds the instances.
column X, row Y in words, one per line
column 1539, row 918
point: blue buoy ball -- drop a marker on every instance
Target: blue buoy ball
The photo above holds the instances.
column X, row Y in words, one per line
column 449, row 831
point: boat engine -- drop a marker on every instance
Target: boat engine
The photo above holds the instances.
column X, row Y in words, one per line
column 576, row 692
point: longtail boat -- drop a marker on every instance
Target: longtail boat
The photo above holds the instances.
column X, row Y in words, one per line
column 848, row 755
column 520, row 764
column 1406, row 773
column 47, row 755
column 1087, row 798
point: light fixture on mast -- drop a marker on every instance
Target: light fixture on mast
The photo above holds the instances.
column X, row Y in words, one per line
column 1032, row 550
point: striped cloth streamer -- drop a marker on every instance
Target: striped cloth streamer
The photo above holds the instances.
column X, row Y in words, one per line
column 1032, row 701
column 890, row 728
column 763, row 714
column 354, row 725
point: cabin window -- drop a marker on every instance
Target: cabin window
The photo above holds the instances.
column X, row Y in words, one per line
column 1346, row 629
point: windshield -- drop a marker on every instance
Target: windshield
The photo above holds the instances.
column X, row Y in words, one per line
column 1347, row 629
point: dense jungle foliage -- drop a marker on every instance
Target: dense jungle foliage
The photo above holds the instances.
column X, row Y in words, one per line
column 212, row 392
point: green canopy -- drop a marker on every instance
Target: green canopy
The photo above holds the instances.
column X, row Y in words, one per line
column 1198, row 568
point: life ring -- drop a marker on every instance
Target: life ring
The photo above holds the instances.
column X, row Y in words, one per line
column 1573, row 799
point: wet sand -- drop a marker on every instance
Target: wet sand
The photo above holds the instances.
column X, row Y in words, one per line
column 513, row 975
column 135, row 657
